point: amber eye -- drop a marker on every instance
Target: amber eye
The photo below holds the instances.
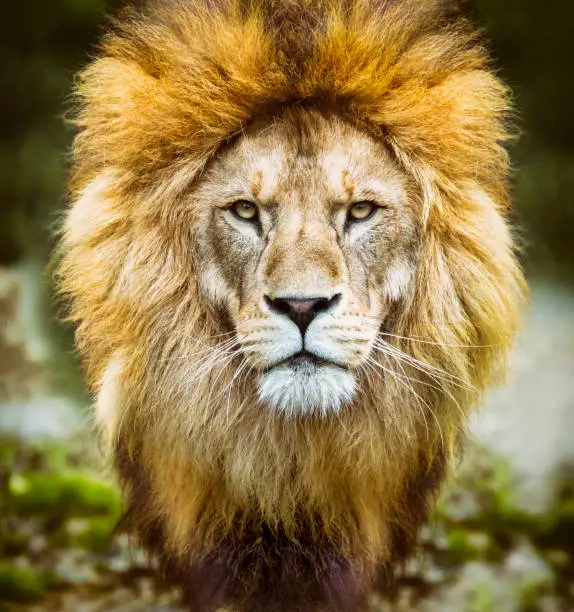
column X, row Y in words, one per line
column 245, row 210
column 362, row 210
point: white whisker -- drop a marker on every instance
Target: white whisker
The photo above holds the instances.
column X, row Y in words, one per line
column 433, row 371
column 418, row 399
column 440, row 381
column 423, row 341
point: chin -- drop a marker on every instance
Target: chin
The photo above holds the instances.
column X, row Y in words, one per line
column 304, row 386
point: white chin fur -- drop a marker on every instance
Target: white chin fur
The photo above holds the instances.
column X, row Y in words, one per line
column 307, row 389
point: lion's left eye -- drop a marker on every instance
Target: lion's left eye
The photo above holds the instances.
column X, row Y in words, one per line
column 245, row 210
column 360, row 211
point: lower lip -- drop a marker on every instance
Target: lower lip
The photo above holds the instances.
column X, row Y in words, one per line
column 305, row 358
column 308, row 357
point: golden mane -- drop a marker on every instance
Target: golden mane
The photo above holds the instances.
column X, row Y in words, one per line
column 170, row 85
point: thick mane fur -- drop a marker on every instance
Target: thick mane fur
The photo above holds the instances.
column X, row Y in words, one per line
column 203, row 464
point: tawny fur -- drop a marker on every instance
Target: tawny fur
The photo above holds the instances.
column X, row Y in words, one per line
column 170, row 85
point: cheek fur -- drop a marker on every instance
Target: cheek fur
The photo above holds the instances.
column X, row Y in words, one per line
column 213, row 285
column 236, row 256
column 398, row 281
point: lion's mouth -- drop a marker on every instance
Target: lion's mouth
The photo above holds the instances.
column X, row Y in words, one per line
column 306, row 384
column 304, row 361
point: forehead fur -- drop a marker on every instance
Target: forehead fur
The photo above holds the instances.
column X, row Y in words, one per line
column 306, row 149
column 174, row 81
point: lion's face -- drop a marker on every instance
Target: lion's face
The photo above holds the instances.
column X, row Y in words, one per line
column 307, row 237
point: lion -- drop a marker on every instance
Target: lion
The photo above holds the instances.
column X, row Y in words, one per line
column 291, row 273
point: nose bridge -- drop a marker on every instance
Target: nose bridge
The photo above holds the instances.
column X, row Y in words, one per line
column 304, row 259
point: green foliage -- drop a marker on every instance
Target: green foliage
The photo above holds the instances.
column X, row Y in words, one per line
column 21, row 584
column 43, row 479
column 465, row 545
column 534, row 47
column 482, row 599
column 62, row 494
column 53, row 504
column 96, row 533
column 41, row 50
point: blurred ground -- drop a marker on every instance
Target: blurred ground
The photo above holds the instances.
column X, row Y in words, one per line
column 502, row 538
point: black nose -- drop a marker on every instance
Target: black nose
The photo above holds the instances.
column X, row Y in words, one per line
column 302, row 312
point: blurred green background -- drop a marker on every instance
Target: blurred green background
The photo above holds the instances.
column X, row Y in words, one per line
column 504, row 534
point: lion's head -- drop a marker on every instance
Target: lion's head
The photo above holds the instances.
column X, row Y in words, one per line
column 291, row 273
column 308, row 235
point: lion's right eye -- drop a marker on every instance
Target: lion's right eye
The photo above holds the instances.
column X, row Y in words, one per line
column 245, row 210
column 361, row 211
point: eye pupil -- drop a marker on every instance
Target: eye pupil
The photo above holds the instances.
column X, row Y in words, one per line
column 245, row 210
